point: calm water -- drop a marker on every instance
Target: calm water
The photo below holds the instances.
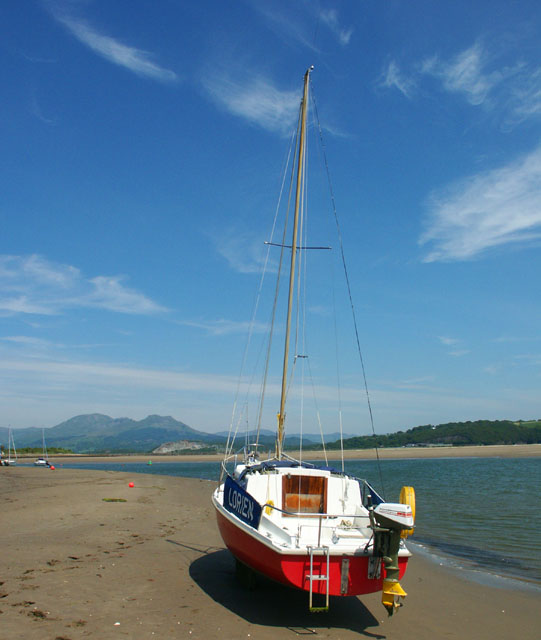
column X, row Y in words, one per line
column 478, row 513
column 483, row 512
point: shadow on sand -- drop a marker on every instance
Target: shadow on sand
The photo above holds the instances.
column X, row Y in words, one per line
column 274, row 605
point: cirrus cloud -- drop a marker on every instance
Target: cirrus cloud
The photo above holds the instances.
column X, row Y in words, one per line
column 491, row 209
column 135, row 60
column 255, row 99
column 34, row 285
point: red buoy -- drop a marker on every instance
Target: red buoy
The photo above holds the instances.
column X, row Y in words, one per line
column 131, row 485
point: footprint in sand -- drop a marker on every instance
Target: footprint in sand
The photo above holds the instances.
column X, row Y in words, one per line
column 25, row 603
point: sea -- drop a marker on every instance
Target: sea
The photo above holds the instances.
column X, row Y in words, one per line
column 480, row 516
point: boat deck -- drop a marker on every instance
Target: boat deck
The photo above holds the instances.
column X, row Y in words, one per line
column 306, row 508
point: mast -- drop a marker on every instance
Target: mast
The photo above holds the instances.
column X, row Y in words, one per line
column 300, row 172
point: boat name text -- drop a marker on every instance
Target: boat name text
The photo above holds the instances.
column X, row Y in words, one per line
column 241, row 504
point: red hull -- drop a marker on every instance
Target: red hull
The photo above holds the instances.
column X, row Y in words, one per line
column 293, row 570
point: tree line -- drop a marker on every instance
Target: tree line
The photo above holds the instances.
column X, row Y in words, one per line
column 479, row 432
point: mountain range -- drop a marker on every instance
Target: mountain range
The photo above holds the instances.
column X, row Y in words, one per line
column 98, row 433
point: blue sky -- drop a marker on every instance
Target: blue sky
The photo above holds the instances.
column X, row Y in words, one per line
column 142, row 150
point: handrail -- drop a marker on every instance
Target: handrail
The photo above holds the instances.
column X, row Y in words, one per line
column 313, row 515
column 368, row 500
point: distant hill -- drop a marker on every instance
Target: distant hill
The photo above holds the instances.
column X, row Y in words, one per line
column 266, row 435
column 98, row 433
column 480, row 432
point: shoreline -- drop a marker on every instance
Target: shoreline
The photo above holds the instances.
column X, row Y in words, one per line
column 87, row 556
column 412, row 453
column 466, row 570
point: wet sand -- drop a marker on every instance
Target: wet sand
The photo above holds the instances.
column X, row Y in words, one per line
column 75, row 564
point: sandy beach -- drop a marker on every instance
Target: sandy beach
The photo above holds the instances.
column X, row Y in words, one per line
column 86, row 556
column 494, row 451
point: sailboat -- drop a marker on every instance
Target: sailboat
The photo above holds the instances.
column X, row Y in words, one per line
column 43, row 460
column 9, row 461
column 311, row 527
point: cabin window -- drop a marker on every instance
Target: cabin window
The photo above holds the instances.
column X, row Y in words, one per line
column 304, row 494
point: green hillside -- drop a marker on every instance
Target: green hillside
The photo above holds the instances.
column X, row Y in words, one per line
column 480, row 432
column 98, row 433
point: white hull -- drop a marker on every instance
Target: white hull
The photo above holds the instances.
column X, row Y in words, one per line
column 292, row 522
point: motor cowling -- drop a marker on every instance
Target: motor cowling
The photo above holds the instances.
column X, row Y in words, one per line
column 394, row 516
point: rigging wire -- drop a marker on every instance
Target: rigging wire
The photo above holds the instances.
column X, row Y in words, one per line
column 318, row 414
column 302, row 353
column 343, row 258
column 338, row 377
column 295, row 142
column 232, row 435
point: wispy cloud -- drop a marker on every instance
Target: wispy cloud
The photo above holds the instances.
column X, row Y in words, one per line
column 135, row 60
column 509, row 339
column 453, row 342
column 510, row 92
column 223, row 327
column 529, row 359
column 34, row 285
column 284, row 24
column 255, row 99
column 46, row 391
column 244, row 252
column 424, row 382
column 287, row 24
column 458, row 353
column 448, row 341
column 467, row 73
column 320, row 310
column 36, row 110
column 119, row 375
column 109, row 292
column 525, row 97
column 27, row 341
column 493, row 369
column 329, row 17
column 496, row 208
column 392, row 77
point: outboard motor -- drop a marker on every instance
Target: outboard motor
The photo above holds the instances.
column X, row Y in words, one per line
column 390, row 521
